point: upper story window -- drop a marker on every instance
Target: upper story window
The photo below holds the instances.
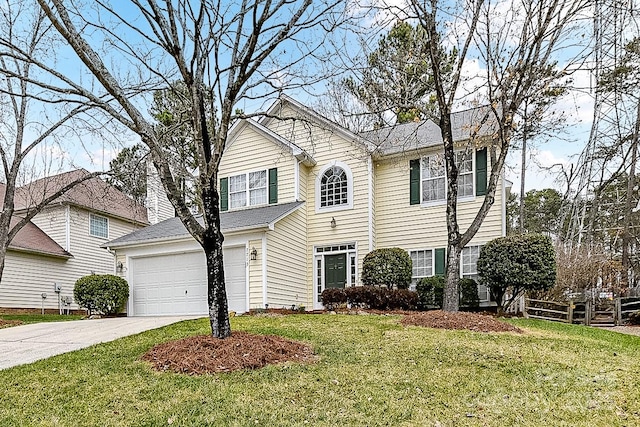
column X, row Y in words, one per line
column 334, row 187
column 248, row 189
column 433, row 176
column 98, row 226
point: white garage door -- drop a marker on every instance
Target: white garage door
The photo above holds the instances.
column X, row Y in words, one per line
column 177, row 284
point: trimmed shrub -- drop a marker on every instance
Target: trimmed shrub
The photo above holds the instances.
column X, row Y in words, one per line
column 371, row 297
column 332, row 298
column 390, row 267
column 101, row 293
column 518, row 263
column 366, row 297
column 430, row 292
column 468, row 293
column 402, row 299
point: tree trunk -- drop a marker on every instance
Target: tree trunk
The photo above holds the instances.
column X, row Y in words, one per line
column 523, row 170
column 626, row 235
column 451, row 292
column 212, row 245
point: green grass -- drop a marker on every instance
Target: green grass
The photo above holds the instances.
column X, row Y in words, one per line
column 39, row 318
column 371, row 372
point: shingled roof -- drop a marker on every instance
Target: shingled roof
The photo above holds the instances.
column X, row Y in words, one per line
column 32, row 239
column 233, row 221
column 413, row 136
column 93, row 194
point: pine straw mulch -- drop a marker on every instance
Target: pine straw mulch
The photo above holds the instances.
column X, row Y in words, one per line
column 460, row 320
column 9, row 323
column 204, row 354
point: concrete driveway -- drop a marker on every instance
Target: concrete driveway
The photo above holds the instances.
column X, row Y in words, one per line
column 25, row 344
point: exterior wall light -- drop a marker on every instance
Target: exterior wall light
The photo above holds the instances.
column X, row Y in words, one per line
column 254, row 254
column 333, row 222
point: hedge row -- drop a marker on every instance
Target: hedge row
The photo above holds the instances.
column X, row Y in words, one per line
column 431, row 292
column 371, row 297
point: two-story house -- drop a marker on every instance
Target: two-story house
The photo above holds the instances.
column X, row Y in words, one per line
column 62, row 242
column 304, row 200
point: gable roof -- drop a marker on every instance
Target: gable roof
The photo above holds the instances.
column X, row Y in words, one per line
column 294, row 149
column 419, row 135
column 32, row 239
column 93, row 194
column 317, row 117
column 262, row 218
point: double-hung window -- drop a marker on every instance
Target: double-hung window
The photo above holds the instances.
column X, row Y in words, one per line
column 422, row 261
column 433, row 176
column 464, row 162
column 248, row 189
column 98, row 226
column 469, row 267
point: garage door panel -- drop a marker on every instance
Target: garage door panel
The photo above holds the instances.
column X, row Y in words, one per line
column 177, row 284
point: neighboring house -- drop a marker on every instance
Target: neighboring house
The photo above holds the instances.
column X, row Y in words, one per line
column 304, row 201
column 62, row 242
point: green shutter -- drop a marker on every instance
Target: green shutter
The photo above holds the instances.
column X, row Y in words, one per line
column 481, row 172
column 440, row 261
column 224, row 194
column 273, row 185
column 414, row 182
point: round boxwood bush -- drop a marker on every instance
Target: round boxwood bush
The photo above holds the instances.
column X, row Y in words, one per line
column 387, row 267
column 468, row 293
column 517, row 263
column 430, row 292
column 101, row 293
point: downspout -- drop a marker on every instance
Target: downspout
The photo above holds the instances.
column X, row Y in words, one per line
column 264, row 270
column 67, row 230
column 370, row 200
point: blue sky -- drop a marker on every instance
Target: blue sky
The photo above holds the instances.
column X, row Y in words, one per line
column 97, row 150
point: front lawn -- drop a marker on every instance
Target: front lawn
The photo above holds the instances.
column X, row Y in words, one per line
column 7, row 320
column 371, row 371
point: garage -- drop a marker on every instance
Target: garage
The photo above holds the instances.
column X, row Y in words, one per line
column 176, row 284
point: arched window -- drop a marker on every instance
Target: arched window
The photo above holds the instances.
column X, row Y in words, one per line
column 334, row 187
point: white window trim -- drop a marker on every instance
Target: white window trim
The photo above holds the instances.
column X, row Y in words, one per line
column 247, row 190
column 334, row 208
column 487, row 297
column 91, row 216
column 433, row 261
column 460, row 198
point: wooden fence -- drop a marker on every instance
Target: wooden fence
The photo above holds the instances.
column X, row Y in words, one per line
column 613, row 313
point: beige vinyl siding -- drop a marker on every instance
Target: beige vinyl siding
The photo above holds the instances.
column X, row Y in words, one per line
column 26, row 276
column 250, row 152
column 255, row 276
column 286, row 284
column 53, row 221
column 327, row 146
column 414, row 226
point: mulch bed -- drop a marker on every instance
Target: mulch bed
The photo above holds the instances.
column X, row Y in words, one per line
column 460, row 320
column 204, row 354
column 9, row 323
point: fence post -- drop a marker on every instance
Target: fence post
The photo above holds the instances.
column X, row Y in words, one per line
column 524, row 309
column 587, row 313
column 570, row 312
column 617, row 319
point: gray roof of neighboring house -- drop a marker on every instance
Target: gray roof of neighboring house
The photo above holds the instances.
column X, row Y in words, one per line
column 419, row 135
column 240, row 220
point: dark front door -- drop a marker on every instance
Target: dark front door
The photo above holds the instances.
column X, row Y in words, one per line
column 335, row 271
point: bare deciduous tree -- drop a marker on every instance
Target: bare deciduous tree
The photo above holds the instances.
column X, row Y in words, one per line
column 516, row 43
column 225, row 52
column 31, row 124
